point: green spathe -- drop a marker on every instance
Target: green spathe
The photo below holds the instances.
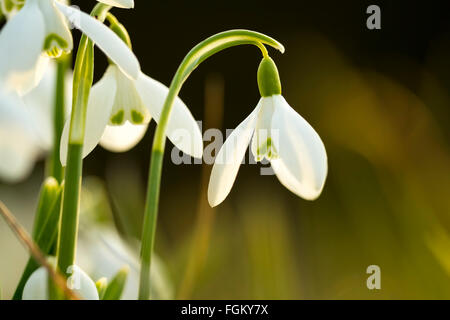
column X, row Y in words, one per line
column 268, row 78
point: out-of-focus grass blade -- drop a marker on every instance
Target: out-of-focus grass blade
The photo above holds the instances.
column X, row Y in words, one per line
column 115, row 288
column 45, row 228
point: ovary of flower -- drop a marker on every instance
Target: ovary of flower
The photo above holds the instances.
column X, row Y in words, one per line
column 40, row 30
column 26, row 130
column 119, row 110
column 278, row 133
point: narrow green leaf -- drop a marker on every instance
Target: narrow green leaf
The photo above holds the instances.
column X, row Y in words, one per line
column 115, row 288
column 50, row 188
column 101, row 285
column 46, row 228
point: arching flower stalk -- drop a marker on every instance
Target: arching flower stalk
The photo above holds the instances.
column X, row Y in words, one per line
column 197, row 55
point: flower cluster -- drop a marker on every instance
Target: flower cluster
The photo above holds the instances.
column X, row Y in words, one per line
column 116, row 111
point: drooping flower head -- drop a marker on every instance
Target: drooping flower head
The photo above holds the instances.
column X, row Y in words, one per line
column 280, row 135
column 40, row 30
column 120, row 109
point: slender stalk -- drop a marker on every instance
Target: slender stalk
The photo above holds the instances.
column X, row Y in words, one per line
column 69, row 217
column 70, row 204
column 55, row 168
column 82, row 83
column 197, row 55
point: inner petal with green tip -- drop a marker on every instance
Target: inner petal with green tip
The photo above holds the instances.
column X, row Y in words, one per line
column 265, row 138
column 128, row 105
column 54, row 45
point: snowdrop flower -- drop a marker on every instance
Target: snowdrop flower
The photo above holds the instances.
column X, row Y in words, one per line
column 40, row 30
column 119, row 110
column 26, row 130
column 279, row 134
column 36, row 287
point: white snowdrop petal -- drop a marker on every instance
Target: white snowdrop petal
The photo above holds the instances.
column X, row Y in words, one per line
column 28, row 81
column 100, row 102
column 229, row 158
column 182, row 129
column 127, row 4
column 21, row 43
column 128, row 101
column 19, row 148
column 302, row 164
column 56, row 25
column 36, row 288
column 122, row 138
column 263, row 130
column 104, row 38
column 40, row 103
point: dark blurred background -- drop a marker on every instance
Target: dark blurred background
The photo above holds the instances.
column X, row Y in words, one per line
column 380, row 101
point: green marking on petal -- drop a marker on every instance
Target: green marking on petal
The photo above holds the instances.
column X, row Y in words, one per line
column 117, row 119
column 7, row 6
column 267, row 150
column 54, row 45
column 137, row 117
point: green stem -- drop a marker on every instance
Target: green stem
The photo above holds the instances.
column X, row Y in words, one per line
column 82, row 83
column 197, row 55
column 55, row 169
column 70, row 203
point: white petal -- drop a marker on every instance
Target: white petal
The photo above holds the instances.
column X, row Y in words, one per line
column 104, row 38
column 56, row 24
column 182, row 129
column 8, row 8
column 302, row 164
column 40, row 103
column 263, row 126
column 128, row 4
column 25, row 82
column 101, row 99
column 229, row 158
column 122, row 138
column 21, row 42
column 19, row 148
column 36, row 288
column 128, row 100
